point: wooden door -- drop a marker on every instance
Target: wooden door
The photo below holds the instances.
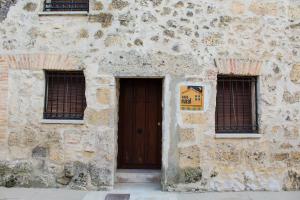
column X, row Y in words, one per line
column 140, row 116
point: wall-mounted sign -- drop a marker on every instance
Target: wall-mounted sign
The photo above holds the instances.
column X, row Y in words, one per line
column 191, row 97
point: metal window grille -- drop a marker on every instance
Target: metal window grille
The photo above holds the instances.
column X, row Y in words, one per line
column 65, row 95
column 236, row 106
column 66, row 5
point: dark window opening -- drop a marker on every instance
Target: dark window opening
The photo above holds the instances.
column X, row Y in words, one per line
column 236, row 106
column 66, row 5
column 65, row 95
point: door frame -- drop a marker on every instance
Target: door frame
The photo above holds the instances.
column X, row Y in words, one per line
column 166, row 118
column 134, row 83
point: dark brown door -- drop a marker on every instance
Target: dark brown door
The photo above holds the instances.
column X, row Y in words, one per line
column 140, row 115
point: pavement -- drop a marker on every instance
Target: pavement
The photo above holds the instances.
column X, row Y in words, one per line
column 138, row 192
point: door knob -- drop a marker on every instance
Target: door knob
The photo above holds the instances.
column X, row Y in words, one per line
column 139, row 131
column 158, row 124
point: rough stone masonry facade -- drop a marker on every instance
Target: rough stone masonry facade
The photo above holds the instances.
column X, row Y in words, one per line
column 180, row 41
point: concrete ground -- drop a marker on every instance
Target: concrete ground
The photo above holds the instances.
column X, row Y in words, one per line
column 139, row 192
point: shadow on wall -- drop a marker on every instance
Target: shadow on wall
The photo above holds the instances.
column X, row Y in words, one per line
column 4, row 7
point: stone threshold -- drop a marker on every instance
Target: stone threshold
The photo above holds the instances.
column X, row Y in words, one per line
column 137, row 176
column 237, row 136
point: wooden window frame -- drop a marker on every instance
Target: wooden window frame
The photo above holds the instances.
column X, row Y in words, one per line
column 64, row 106
column 242, row 128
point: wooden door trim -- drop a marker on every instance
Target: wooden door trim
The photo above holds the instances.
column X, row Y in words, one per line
column 120, row 154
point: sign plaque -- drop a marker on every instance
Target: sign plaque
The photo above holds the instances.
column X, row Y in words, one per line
column 191, row 97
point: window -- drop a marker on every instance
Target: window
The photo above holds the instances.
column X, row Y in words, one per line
column 65, row 95
column 236, row 105
column 66, row 5
column 197, row 98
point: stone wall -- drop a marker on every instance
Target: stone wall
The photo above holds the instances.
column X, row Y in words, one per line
column 179, row 41
column 4, row 8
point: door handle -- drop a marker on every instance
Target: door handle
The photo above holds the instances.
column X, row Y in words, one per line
column 158, row 124
column 139, row 131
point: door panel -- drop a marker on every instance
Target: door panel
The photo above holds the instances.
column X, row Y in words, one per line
column 139, row 138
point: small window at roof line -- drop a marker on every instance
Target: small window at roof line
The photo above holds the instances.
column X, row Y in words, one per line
column 65, row 95
column 236, row 105
column 66, row 5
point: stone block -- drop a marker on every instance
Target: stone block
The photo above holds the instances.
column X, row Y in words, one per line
column 190, row 175
column 260, row 8
column 280, row 156
column 295, row 73
column 103, row 95
column 292, row 181
column 227, row 153
column 295, row 156
column 104, row 18
column 30, row 7
column 99, row 118
column 237, row 7
column 186, row 134
column 189, row 156
column 194, row 118
column 72, row 136
column 40, row 152
column 118, row 4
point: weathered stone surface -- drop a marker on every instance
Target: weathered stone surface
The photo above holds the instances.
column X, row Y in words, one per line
column 191, row 175
column 280, row 156
column 227, row 153
column 104, row 96
column 194, row 118
column 83, row 33
column 138, row 42
column 125, row 19
column 295, row 73
column 189, row 157
column 112, row 40
column 238, row 7
column 291, row 98
column 186, row 134
column 98, row 5
column 292, row 181
column 148, row 17
column 183, row 42
column 39, row 152
column 260, row 8
column 119, row 4
column 4, row 8
column 104, row 18
column 98, row 118
column 30, row 7
column 100, row 176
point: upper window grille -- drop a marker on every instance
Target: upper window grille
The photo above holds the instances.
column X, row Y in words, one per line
column 66, row 5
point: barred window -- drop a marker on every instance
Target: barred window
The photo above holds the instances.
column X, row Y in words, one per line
column 236, row 105
column 65, row 95
column 66, row 5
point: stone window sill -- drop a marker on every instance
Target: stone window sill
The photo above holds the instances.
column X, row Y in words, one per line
column 64, row 13
column 237, row 136
column 55, row 121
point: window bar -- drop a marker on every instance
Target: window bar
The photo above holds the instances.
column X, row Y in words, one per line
column 243, row 100
column 64, row 96
column 83, row 100
column 237, row 104
column 52, row 93
column 223, row 101
column 77, row 85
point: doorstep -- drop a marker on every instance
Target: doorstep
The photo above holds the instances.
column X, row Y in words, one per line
column 137, row 176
